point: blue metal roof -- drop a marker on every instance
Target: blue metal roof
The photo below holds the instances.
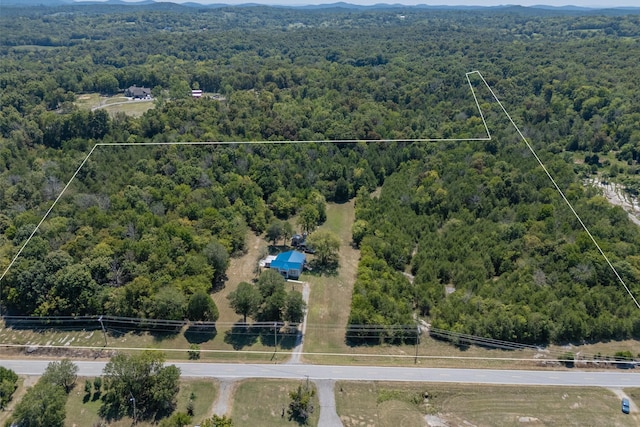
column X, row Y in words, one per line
column 292, row 260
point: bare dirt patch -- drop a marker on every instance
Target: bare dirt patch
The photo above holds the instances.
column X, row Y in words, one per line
column 615, row 194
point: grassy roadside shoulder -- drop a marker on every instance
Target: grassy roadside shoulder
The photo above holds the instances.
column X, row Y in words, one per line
column 264, row 403
column 395, row 404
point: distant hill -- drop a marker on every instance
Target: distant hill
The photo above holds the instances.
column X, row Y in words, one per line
column 337, row 5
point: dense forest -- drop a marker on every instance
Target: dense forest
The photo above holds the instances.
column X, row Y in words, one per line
column 145, row 230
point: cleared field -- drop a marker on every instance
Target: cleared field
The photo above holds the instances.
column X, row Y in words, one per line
column 114, row 104
column 88, row 101
column 262, row 402
column 396, row 404
column 83, row 410
column 330, row 298
column 130, row 108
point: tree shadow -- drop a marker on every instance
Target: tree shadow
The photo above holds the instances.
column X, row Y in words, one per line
column 219, row 282
column 286, row 338
column 367, row 336
column 319, row 269
column 241, row 335
column 160, row 335
column 276, row 249
column 289, row 338
column 198, row 334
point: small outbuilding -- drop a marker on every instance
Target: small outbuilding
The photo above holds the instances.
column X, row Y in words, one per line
column 289, row 264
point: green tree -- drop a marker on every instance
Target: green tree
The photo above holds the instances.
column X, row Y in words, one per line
column 142, row 377
column 287, row 232
column 341, row 194
column 179, row 419
column 245, row 300
column 63, row 373
column 269, row 282
column 202, row 307
column 8, row 384
column 295, row 307
column 326, row 246
column 97, row 383
column 217, row 421
column 271, row 287
column 275, row 231
column 194, row 352
column 42, row 406
column 301, row 407
column 309, row 218
column 218, row 258
column 168, row 304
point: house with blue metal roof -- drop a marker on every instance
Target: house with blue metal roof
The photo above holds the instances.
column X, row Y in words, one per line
column 289, row 264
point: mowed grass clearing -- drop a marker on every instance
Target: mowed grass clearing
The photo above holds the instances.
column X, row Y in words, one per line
column 261, row 402
column 402, row 404
column 134, row 108
column 330, row 297
column 83, row 411
column 114, row 104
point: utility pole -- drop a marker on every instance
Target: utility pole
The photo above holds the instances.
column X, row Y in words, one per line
column 104, row 332
column 417, row 342
column 133, row 399
column 275, row 337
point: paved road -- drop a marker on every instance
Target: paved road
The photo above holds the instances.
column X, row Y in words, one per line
column 611, row 378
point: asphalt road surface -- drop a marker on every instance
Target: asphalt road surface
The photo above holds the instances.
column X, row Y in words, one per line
column 611, row 378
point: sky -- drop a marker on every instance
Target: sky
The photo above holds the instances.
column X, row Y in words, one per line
column 583, row 3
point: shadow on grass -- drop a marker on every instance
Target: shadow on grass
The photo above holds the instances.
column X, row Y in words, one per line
column 198, row 334
column 286, row 338
column 241, row 335
column 374, row 335
column 160, row 335
column 319, row 269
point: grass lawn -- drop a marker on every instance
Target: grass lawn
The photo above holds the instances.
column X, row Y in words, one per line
column 634, row 393
column 84, row 412
column 330, row 297
column 130, row 108
column 114, row 104
column 87, row 101
column 241, row 269
column 260, row 403
column 397, row 404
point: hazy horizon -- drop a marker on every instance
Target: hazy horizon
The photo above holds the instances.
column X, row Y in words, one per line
column 556, row 3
